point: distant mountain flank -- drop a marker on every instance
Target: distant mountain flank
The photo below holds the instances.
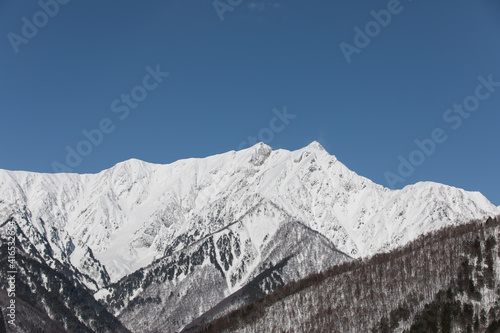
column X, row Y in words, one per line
column 445, row 281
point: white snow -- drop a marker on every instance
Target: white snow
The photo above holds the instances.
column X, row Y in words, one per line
column 129, row 214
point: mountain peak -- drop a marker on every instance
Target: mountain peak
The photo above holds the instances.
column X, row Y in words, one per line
column 133, row 161
column 261, row 153
column 132, row 165
column 261, row 146
column 315, row 145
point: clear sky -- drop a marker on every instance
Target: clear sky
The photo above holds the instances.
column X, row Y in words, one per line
column 86, row 65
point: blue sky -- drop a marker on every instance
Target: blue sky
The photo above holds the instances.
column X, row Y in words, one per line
column 227, row 76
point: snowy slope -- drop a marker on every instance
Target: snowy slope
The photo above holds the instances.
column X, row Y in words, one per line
column 123, row 218
column 174, row 291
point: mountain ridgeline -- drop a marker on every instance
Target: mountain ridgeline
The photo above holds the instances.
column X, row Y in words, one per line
column 444, row 281
column 165, row 248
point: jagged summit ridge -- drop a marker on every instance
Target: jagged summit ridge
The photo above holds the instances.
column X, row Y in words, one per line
column 257, row 149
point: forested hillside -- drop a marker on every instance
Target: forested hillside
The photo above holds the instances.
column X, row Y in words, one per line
column 48, row 299
column 445, row 281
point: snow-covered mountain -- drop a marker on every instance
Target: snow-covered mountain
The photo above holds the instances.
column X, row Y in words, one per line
column 258, row 216
column 135, row 212
column 204, row 277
